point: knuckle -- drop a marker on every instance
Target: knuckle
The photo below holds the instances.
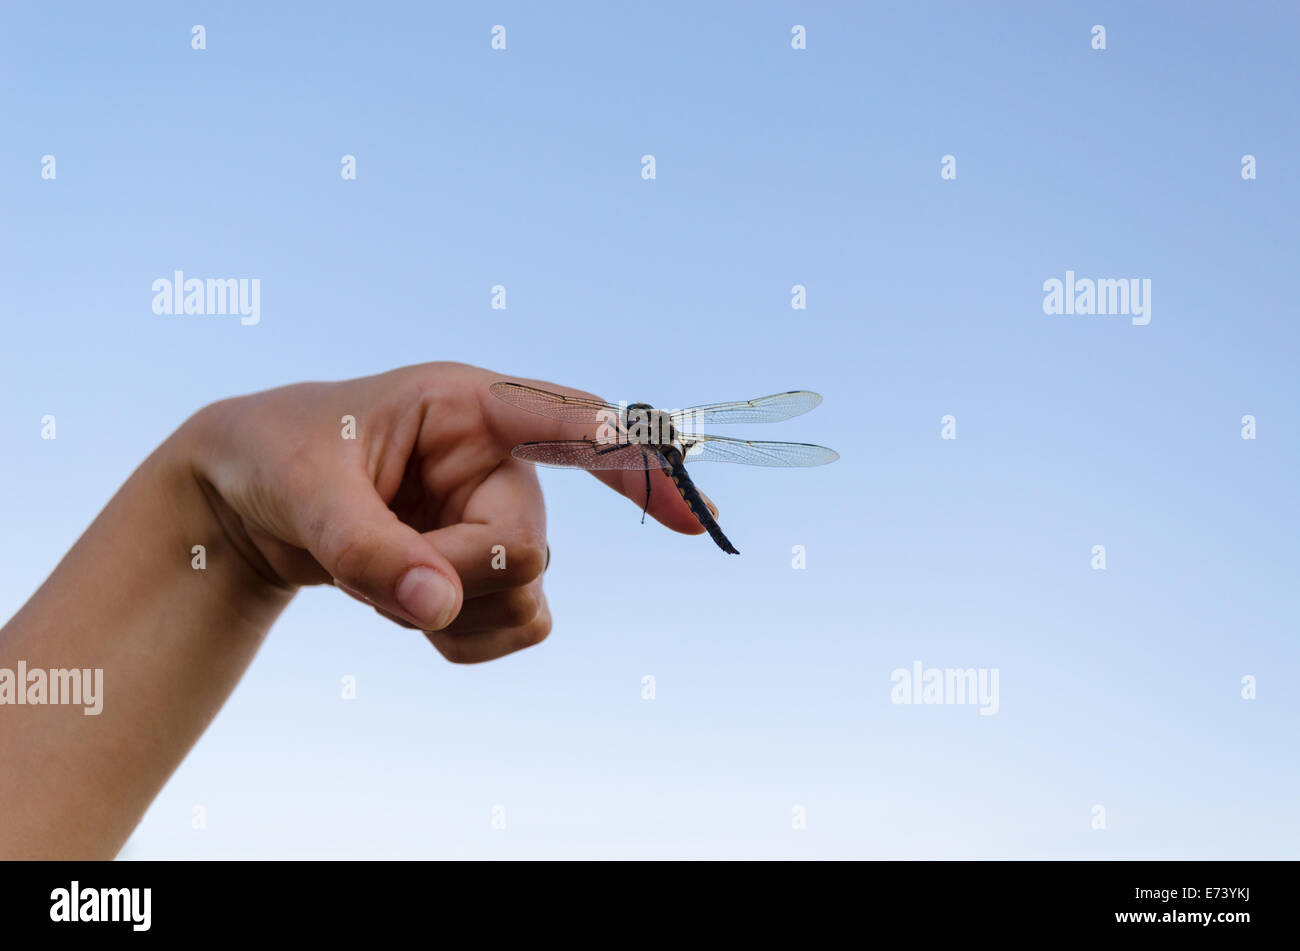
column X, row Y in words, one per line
column 537, row 630
column 520, row 607
column 450, row 647
column 454, row 653
column 526, row 558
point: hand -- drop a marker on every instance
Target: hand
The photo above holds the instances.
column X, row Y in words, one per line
column 406, row 516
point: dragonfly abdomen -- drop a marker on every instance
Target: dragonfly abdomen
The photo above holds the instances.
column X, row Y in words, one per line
column 695, row 502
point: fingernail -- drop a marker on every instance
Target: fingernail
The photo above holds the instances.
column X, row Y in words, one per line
column 709, row 502
column 427, row 597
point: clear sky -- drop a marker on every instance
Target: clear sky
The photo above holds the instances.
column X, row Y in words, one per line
column 774, row 167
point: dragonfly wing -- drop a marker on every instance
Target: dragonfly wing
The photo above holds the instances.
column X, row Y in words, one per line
column 571, row 409
column 765, row 409
column 757, row 453
column 589, row 454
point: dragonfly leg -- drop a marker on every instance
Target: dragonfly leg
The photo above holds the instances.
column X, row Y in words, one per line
column 647, row 486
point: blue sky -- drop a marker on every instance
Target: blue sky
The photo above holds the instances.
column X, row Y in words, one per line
column 774, row 167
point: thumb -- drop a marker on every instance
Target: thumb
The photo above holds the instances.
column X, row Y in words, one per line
column 371, row 552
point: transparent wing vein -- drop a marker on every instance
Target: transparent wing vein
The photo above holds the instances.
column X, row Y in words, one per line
column 588, row 454
column 765, row 409
column 572, row 409
column 757, row 452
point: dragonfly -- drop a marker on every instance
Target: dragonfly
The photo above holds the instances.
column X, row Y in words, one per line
column 638, row 436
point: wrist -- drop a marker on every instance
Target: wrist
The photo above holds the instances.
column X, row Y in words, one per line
column 199, row 456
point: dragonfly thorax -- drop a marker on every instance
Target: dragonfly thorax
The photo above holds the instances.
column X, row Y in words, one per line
column 648, row 426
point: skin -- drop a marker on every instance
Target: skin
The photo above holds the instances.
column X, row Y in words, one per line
column 404, row 517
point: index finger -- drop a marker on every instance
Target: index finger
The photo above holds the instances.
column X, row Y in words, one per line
column 511, row 425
